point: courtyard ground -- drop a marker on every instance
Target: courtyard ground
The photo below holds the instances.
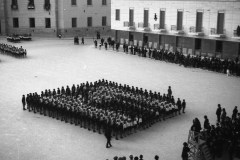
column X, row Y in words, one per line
column 53, row 63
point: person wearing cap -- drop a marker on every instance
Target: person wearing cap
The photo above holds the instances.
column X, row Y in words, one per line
column 185, row 151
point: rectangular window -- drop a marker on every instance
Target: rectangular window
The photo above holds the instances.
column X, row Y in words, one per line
column 117, row 15
column 32, row 22
column 47, row 22
column 15, row 23
column 199, row 20
column 73, row 2
column 104, row 21
column 162, row 19
column 89, row 21
column 220, row 23
column 145, row 19
column 89, row 2
column 104, row 2
column 74, row 22
column 31, row 4
column 14, row 5
column 179, row 20
column 131, row 17
column 47, row 5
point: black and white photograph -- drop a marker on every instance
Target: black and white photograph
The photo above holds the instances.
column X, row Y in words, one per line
column 119, row 79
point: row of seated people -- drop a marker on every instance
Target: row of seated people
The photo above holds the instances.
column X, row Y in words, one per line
column 103, row 104
column 131, row 157
column 226, row 132
column 14, row 51
column 211, row 63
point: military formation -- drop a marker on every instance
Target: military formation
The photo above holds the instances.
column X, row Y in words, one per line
column 14, row 51
column 105, row 105
column 229, row 66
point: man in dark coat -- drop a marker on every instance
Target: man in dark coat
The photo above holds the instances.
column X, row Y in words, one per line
column 108, row 135
column 185, row 151
column 23, row 102
column 218, row 112
column 183, row 106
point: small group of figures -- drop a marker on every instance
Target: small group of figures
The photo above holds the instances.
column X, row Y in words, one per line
column 105, row 106
column 14, row 51
column 18, row 38
column 76, row 40
column 131, row 157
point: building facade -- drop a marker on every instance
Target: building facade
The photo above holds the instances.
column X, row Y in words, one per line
column 198, row 27
column 54, row 17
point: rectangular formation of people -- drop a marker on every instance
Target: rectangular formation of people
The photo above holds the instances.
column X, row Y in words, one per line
column 14, row 51
column 103, row 104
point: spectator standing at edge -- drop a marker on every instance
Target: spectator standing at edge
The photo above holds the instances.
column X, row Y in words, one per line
column 185, row 151
column 218, row 112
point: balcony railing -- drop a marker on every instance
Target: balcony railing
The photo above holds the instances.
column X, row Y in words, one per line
column 125, row 24
column 175, row 31
column 173, row 27
column 215, row 34
column 140, row 25
column 235, row 34
column 214, row 31
column 132, row 26
column 193, row 29
column 14, row 7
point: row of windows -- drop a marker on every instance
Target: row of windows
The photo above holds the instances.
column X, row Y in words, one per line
column 89, row 22
column 31, row 4
column 48, row 22
column 32, row 23
column 89, row 2
column 179, row 26
column 47, row 5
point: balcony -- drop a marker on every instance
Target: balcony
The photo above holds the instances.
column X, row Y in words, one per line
column 145, row 28
column 47, row 6
column 157, row 27
column 130, row 25
column 194, row 32
column 236, row 35
column 14, row 7
column 125, row 24
column 215, row 34
column 175, row 31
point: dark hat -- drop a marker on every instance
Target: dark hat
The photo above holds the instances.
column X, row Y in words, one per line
column 185, row 144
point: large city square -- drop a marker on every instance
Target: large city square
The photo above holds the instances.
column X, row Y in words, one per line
column 52, row 63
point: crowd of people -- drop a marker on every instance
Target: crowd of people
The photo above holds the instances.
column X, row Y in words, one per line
column 14, row 51
column 229, row 66
column 103, row 104
column 226, row 132
column 131, row 157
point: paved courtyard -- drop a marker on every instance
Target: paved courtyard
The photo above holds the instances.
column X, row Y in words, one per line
column 53, row 63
